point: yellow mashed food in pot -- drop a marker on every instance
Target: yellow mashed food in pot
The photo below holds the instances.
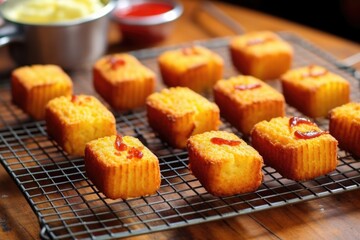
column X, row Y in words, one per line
column 51, row 11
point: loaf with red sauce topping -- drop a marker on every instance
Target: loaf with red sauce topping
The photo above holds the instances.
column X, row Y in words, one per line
column 295, row 147
column 122, row 167
column 245, row 101
column 195, row 67
column 314, row 90
column 262, row 54
column 74, row 121
column 224, row 164
column 123, row 81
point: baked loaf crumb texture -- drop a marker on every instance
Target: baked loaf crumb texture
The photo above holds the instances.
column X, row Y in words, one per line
column 314, row 90
column 122, row 167
column 178, row 113
column 32, row 87
column 262, row 54
column 195, row 67
column 345, row 126
column 245, row 101
column 295, row 147
column 74, row 121
column 224, row 164
column 123, row 81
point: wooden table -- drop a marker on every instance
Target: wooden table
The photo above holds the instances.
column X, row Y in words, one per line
column 334, row 217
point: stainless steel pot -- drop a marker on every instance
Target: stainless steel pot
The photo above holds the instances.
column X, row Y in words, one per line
column 72, row 44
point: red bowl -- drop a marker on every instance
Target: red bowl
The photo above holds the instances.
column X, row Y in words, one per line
column 146, row 22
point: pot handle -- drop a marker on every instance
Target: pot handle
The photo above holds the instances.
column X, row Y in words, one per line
column 9, row 33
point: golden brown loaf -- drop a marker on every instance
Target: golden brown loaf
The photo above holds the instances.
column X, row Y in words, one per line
column 295, row 147
column 245, row 101
column 224, row 164
column 177, row 113
column 314, row 90
column 74, row 121
column 345, row 126
column 123, row 81
column 262, row 54
column 194, row 67
column 122, row 167
column 33, row 86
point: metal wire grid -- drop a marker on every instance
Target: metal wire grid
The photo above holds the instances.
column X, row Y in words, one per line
column 10, row 115
column 69, row 205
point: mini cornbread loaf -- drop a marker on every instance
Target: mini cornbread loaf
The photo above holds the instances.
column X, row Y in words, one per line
column 345, row 126
column 194, row 67
column 33, row 86
column 122, row 167
column 123, row 81
column 262, row 54
column 74, row 121
column 295, row 147
column 314, row 90
column 177, row 113
column 224, row 164
column 245, row 101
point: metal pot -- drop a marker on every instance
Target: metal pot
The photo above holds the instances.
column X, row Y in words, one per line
column 70, row 44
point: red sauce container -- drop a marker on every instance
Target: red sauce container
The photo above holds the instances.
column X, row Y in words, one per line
column 146, row 22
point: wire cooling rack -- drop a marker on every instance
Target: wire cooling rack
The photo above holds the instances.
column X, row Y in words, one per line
column 69, row 206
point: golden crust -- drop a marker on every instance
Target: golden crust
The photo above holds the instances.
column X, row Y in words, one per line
column 195, row 67
column 345, row 126
column 32, row 87
column 177, row 113
column 294, row 158
column 262, row 54
column 116, row 174
column 244, row 108
column 224, row 170
column 74, row 121
column 314, row 90
column 123, row 81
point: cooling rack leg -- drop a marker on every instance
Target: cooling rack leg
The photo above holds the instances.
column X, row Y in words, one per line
column 44, row 234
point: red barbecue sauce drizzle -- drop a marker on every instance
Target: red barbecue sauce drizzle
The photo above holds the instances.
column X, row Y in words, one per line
column 309, row 134
column 294, row 121
column 119, row 145
column 221, row 141
column 80, row 101
column 132, row 152
column 144, row 9
column 243, row 87
column 115, row 63
column 73, row 98
column 312, row 73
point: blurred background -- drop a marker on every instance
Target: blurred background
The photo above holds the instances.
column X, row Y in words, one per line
column 339, row 17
